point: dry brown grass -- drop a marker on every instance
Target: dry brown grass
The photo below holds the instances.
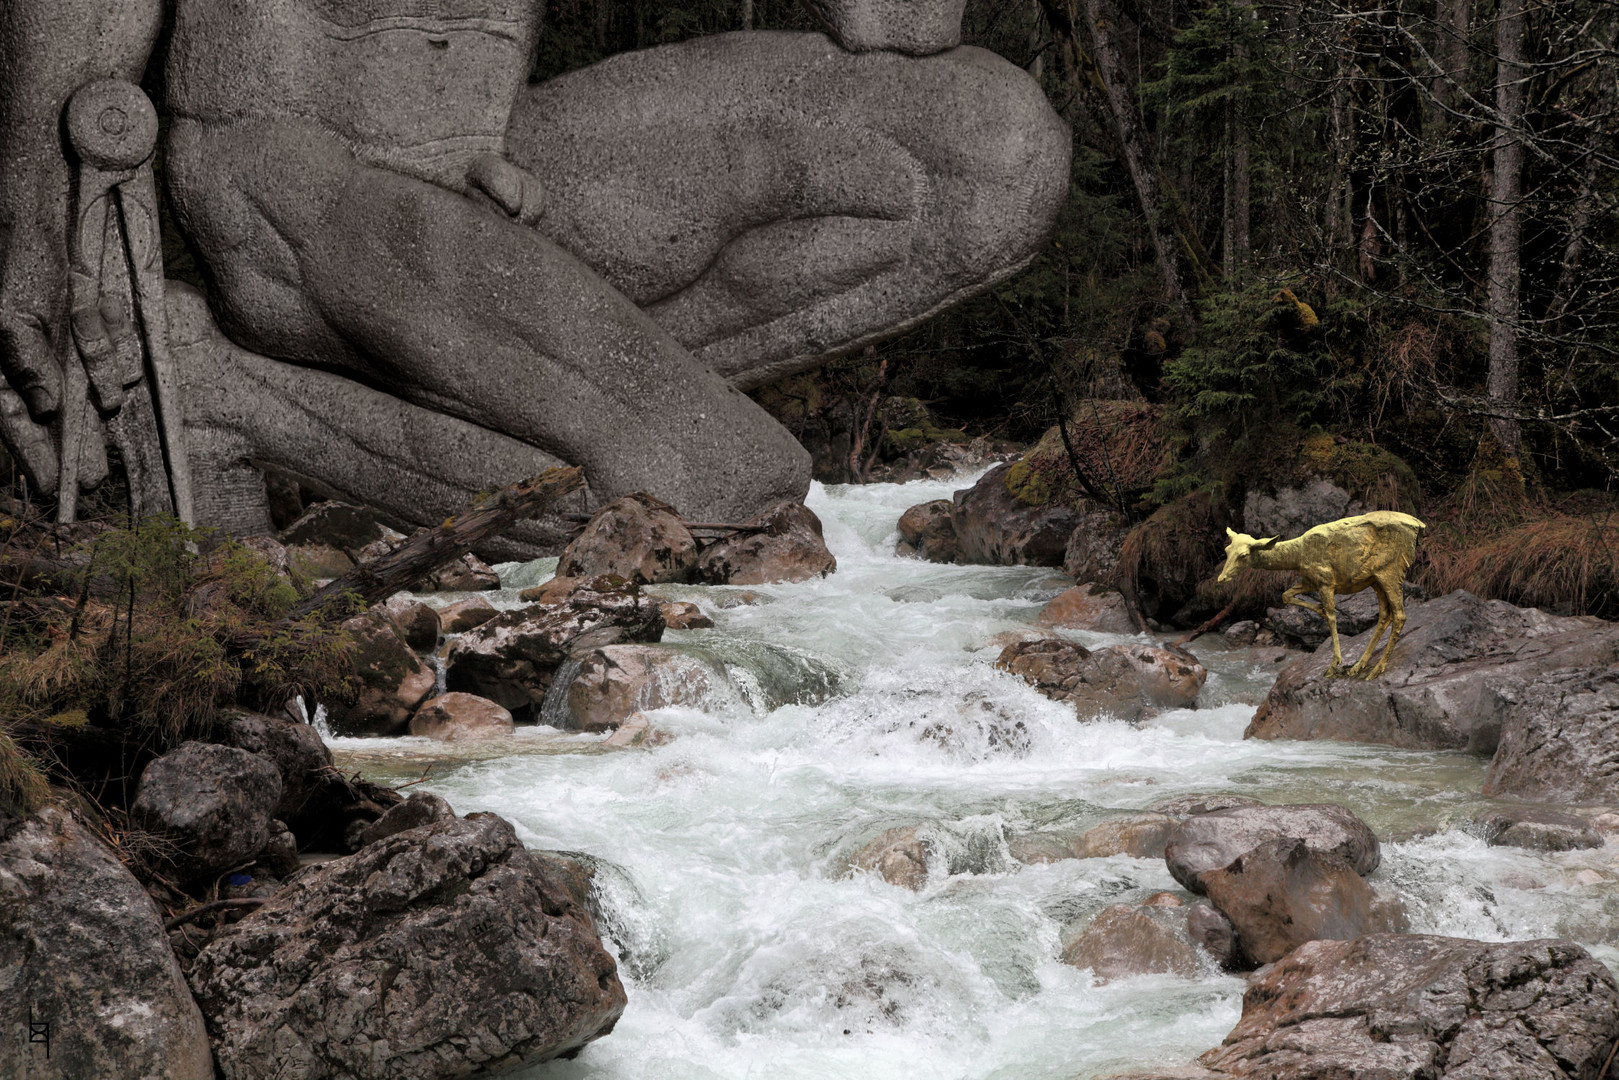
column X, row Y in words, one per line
column 1173, row 551
column 1565, row 563
column 1121, row 445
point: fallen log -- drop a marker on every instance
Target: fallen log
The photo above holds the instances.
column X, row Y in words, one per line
column 430, row 549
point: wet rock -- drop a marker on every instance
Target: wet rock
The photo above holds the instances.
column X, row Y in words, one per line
column 280, row 854
column 898, row 856
column 1214, row 840
column 296, row 750
column 1092, row 551
column 684, row 615
column 1130, row 682
column 463, row 615
column 511, row 658
column 1241, row 634
column 618, row 681
column 1142, row 836
column 1416, row 1007
column 1126, row 939
column 82, row 947
column 441, row 950
column 339, row 525
column 1089, row 607
column 1461, row 666
column 1281, row 894
column 393, row 681
column 788, row 548
column 636, row 730
column 1213, row 933
column 927, row 531
column 1538, row 830
column 1182, row 806
column 213, row 802
column 639, row 538
column 458, row 717
column 319, row 562
column 420, row 809
column 418, row 624
column 1559, row 736
column 466, row 574
column 995, row 528
column 1356, row 613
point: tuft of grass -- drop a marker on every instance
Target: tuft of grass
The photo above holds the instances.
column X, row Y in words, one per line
column 1565, row 563
column 1174, row 550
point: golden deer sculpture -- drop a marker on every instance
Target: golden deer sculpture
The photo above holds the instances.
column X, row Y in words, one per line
column 1339, row 558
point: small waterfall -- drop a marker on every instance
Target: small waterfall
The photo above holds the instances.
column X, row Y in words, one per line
column 436, row 662
column 318, row 721
column 554, row 709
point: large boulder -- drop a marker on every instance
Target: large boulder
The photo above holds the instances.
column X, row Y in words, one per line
column 617, row 681
column 512, row 658
column 1092, row 551
column 1131, row 939
column 1559, row 736
column 466, row 574
column 419, row 625
column 899, row 856
column 296, row 750
column 639, row 538
column 1215, row 840
column 1129, row 682
column 995, row 528
column 442, row 950
column 1415, row 1007
column 927, row 531
column 1355, row 614
column 784, row 546
column 82, row 950
column 1142, row 836
column 1088, row 607
column 1281, row 894
column 393, row 680
column 457, row 717
column 1460, row 667
column 214, row 803
column 335, row 524
column 463, row 615
column 1538, row 830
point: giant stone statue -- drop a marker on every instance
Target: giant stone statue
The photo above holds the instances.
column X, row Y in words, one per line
column 428, row 276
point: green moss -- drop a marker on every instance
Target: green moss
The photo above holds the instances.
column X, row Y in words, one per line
column 1369, row 473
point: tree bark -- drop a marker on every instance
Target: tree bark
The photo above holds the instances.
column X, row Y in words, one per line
column 430, row 549
column 1235, row 241
column 1450, row 49
column 1100, row 19
column 1506, row 224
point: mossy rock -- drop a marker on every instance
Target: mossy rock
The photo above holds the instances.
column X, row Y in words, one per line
column 1372, row 475
column 1120, row 444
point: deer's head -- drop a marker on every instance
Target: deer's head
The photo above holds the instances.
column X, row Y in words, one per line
column 1238, row 551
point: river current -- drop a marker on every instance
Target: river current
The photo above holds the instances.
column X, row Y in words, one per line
column 868, row 700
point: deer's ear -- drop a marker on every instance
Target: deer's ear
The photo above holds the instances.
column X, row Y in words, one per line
column 1229, row 534
column 1265, row 545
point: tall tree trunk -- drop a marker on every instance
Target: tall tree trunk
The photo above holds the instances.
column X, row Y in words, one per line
column 1455, row 18
column 1506, row 223
column 1235, row 240
column 1579, row 218
column 1100, row 19
column 1341, row 205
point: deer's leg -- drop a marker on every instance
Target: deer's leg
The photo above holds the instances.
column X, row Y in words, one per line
column 1396, row 601
column 1291, row 596
column 1329, row 611
column 1384, row 618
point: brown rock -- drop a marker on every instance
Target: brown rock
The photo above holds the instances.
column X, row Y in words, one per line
column 393, row 681
column 1130, row 682
column 617, row 681
column 1461, row 667
column 463, row 615
column 994, row 528
column 1192, row 805
column 927, row 531
column 82, row 948
column 437, row 951
column 1539, row 830
column 639, row 538
column 1416, row 1007
column 1127, row 940
column 466, row 574
column 1559, row 737
column 684, row 615
column 1213, row 933
column 318, row 561
column 1089, row 607
column 417, row 623
column 419, row 809
column 460, row 717
column 1214, row 840
column 1142, row 836
column 1281, row 894
column 899, row 856
column 789, row 548
column 511, row 658
column 1092, row 550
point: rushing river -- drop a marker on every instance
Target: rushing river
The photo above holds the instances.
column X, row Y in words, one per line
column 869, row 700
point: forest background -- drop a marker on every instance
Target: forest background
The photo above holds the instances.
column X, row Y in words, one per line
column 1376, row 243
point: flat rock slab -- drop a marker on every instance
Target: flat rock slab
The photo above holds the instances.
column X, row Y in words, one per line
column 443, row 950
column 1559, row 738
column 82, row 946
column 1538, row 830
column 1215, row 840
column 1461, row 666
column 1415, row 1007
